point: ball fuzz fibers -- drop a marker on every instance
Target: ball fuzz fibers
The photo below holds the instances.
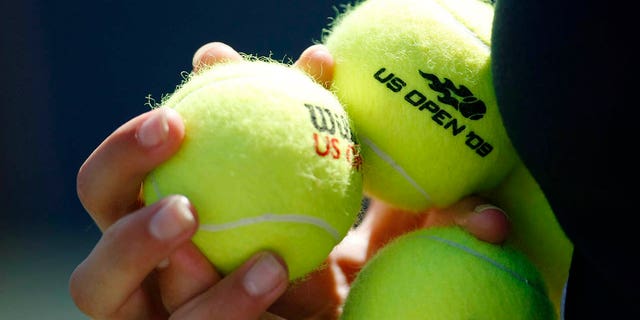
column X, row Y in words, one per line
column 268, row 160
column 446, row 273
column 415, row 77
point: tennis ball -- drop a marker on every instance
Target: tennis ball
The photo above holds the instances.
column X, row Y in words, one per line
column 445, row 273
column 415, row 77
column 268, row 160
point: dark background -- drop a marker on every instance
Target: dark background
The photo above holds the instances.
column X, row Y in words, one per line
column 73, row 71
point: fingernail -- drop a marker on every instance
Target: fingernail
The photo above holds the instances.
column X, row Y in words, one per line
column 489, row 223
column 154, row 130
column 265, row 275
column 195, row 61
column 172, row 219
column 211, row 53
column 322, row 53
column 485, row 208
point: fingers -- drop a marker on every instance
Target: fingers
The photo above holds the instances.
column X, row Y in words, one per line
column 244, row 294
column 108, row 183
column 315, row 297
column 317, row 62
column 113, row 281
column 212, row 53
column 108, row 283
column 485, row 221
column 133, row 150
column 185, row 274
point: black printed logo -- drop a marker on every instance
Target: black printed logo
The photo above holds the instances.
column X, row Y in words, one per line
column 469, row 106
column 460, row 98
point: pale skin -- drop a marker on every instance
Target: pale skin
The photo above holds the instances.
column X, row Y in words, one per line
column 146, row 267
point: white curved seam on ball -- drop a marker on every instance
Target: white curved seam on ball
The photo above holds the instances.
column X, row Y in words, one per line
column 270, row 217
column 497, row 264
column 387, row 158
column 473, row 34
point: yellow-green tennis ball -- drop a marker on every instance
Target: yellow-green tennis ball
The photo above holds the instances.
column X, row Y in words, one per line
column 415, row 77
column 446, row 273
column 268, row 160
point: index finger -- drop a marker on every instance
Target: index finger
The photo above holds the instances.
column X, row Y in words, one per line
column 109, row 181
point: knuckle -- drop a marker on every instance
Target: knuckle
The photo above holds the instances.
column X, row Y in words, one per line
column 79, row 294
column 84, row 297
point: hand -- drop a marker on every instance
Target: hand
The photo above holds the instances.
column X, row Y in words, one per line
column 145, row 266
column 383, row 223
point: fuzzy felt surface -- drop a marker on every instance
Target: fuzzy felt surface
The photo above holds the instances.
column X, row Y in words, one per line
column 446, row 273
column 415, row 77
column 268, row 160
